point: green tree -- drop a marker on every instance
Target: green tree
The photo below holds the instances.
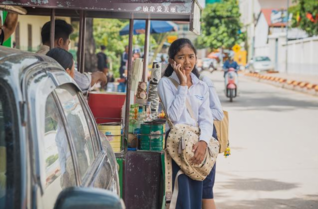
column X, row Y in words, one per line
column 106, row 32
column 220, row 25
column 305, row 16
column 51, row 159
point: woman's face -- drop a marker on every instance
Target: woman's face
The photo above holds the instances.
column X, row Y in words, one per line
column 187, row 58
column 71, row 71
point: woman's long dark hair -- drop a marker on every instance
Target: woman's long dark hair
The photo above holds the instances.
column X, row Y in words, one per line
column 175, row 47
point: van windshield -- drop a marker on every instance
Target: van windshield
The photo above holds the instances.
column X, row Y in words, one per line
column 262, row 59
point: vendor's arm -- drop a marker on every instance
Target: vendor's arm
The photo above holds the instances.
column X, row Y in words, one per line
column 215, row 104
column 83, row 80
column 99, row 77
column 174, row 103
column 9, row 25
column 205, row 119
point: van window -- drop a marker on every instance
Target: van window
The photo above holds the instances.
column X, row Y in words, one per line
column 7, row 150
column 94, row 137
column 59, row 167
column 78, row 127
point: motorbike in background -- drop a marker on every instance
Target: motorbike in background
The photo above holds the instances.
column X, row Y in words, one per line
column 231, row 81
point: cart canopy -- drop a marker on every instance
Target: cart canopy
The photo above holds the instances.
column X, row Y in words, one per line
column 139, row 9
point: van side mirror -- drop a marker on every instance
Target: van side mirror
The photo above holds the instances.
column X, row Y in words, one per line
column 83, row 198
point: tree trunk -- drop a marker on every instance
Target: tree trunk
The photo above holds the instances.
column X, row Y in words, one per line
column 90, row 48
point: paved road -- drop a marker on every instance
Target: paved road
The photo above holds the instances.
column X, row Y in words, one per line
column 274, row 144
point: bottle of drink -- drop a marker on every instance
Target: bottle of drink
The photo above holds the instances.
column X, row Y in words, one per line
column 139, row 116
column 132, row 120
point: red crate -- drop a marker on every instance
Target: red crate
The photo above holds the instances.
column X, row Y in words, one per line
column 106, row 107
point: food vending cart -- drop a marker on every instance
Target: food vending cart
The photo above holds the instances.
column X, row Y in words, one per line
column 139, row 153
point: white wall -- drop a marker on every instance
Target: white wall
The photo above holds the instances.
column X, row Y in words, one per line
column 37, row 22
column 262, row 51
column 275, row 4
column 302, row 56
column 261, row 32
column 202, row 3
column 250, row 10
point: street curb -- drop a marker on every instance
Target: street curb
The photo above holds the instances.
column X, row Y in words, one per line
column 300, row 86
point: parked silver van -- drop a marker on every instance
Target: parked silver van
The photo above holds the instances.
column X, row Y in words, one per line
column 51, row 153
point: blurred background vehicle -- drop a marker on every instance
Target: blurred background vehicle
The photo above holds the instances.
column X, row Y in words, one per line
column 260, row 64
column 209, row 64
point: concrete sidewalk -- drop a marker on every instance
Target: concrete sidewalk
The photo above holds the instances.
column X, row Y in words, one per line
column 301, row 83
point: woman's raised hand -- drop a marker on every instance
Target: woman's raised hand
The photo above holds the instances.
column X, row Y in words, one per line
column 180, row 73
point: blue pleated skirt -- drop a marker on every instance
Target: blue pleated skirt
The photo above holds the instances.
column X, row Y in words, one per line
column 208, row 183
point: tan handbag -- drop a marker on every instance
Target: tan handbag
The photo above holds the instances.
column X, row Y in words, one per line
column 222, row 131
column 179, row 145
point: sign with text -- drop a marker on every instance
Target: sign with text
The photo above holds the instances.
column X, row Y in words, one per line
column 279, row 16
column 137, row 6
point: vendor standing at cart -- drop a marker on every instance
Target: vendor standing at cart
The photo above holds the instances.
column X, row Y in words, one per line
column 123, row 62
column 63, row 31
column 217, row 113
column 102, row 60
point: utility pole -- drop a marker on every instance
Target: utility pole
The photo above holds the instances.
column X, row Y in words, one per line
column 286, row 46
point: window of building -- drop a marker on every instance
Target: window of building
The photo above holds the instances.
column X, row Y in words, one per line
column 29, row 37
column 17, row 36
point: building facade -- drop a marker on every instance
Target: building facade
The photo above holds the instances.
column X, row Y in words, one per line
column 27, row 35
column 250, row 11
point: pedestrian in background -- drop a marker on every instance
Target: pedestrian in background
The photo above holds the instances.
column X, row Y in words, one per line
column 123, row 63
column 230, row 63
column 217, row 114
column 102, row 60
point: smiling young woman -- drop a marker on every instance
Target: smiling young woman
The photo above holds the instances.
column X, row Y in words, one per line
column 182, row 69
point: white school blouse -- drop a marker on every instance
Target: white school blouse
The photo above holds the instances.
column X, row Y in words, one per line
column 215, row 104
column 174, row 101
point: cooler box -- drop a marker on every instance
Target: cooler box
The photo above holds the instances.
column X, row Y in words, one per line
column 106, row 106
column 112, row 131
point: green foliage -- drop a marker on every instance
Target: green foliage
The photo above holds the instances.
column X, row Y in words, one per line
column 50, row 124
column 106, row 32
column 220, row 25
column 51, row 159
column 300, row 11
